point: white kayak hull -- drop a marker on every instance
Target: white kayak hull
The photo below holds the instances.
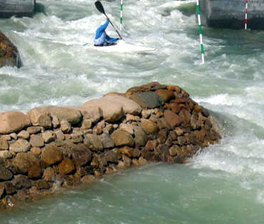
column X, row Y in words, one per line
column 121, row 47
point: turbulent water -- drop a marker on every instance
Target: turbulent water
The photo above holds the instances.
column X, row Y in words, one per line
column 222, row 184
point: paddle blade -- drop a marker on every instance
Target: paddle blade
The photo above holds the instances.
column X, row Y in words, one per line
column 99, row 6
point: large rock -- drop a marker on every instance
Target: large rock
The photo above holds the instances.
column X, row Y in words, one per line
column 43, row 116
column 21, row 145
column 13, row 121
column 91, row 112
column 66, row 167
column 151, row 100
column 93, row 142
column 40, row 116
column 172, row 119
column 51, row 155
column 122, row 138
column 26, row 163
column 129, row 106
column 231, row 14
column 112, row 111
column 70, row 114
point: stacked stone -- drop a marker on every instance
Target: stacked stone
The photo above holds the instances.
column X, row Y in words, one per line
column 8, row 52
column 51, row 148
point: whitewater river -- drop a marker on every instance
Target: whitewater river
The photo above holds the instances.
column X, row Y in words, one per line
column 224, row 184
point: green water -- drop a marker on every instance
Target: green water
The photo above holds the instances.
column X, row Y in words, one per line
column 223, row 184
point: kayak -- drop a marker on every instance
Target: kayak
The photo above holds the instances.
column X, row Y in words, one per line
column 122, row 47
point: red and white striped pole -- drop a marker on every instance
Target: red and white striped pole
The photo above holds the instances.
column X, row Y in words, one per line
column 246, row 14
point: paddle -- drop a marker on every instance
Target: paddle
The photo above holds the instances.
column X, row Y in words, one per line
column 100, row 8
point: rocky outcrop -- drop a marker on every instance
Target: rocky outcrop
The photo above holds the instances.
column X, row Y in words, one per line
column 231, row 13
column 9, row 55
column 52, row 148
column 17, row 8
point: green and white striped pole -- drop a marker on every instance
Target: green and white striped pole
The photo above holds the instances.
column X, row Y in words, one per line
column 200, row 30
column 121, row 15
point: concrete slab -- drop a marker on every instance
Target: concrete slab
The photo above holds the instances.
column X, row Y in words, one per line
column 231, row 13
column 17, row 8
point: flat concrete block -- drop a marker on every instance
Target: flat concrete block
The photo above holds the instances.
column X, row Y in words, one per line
column 17, row 8
column 231, row 13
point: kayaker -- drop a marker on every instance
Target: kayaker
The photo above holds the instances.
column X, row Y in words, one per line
column 101, row 38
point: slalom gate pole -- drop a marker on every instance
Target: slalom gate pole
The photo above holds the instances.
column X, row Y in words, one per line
column 246, row 14
column 121, row 15
column 200, row 30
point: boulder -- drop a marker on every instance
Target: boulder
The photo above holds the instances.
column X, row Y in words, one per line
column 93, row 142
column 91, row 112
column 51, row 155
column 66, row 166
column 4, row 144
column 129, row 106
column 122, row 138
column 36, row 141
column 70, row 114
column 81, row 155
column 165, row 94
column 49, row 174
column 21, row 182
column 21, row 145
column 43, row 116
column 150, row 99
column 172, row 119
column 5, row 154
column 23, row 134
column 13, row 121
column 149, row 126
column 107, row 141
column 140, row 136
column 5, row 174
column 40, row 116
column 25, row 163
column 112, row 111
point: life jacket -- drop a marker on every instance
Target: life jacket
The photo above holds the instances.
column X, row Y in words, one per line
column 101, row 40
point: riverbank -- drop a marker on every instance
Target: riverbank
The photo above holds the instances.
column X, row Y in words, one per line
column 51, row 148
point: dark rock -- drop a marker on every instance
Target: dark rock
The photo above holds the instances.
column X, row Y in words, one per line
column 27, row 163
column 81, row 155
column 151, row 99
column 9, row 188
column 140, row 136
column 21, row 181
column 5, row 174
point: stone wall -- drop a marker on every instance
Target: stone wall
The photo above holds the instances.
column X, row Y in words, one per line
column 18, row 8
column 231, row 13
column 9, row 55
column 51, row 148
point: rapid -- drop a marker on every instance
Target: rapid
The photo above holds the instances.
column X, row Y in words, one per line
column 224, row 183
